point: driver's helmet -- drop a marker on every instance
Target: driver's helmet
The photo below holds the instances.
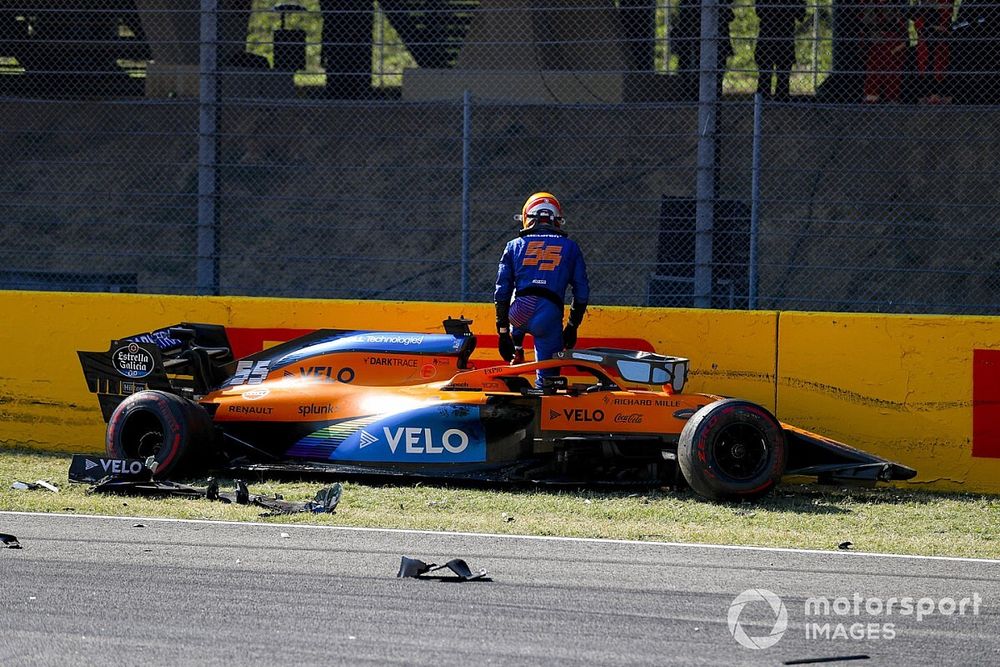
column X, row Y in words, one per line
column 541, row 208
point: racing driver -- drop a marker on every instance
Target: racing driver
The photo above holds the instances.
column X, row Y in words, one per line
column 535, row 269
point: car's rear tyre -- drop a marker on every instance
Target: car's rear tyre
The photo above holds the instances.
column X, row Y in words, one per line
column 732, row 450
column 176, row 432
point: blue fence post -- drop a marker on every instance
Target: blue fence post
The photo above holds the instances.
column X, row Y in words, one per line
column 466, row 184
column 208, row 109
column 708, row 99
column 758, row 112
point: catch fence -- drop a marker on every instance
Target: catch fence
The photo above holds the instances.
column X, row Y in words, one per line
column 813, row 155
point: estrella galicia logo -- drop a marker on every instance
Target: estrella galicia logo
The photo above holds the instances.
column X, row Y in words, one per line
column 777, row 607
column 132, row 361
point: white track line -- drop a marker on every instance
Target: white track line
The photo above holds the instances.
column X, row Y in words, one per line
column 595, row 540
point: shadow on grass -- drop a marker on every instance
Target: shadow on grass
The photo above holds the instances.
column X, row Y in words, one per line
column 793, row 498
column 21, row 450
column 797, row 498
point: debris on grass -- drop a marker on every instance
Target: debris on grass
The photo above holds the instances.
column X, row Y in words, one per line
column 34, row 486
column 325, row 501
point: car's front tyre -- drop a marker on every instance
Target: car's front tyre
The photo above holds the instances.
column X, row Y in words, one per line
column 732, row 450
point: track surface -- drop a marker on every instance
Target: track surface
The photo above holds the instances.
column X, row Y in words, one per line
column 100, row 591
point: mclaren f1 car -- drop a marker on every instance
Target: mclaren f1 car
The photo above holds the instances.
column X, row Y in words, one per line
column 412, row 405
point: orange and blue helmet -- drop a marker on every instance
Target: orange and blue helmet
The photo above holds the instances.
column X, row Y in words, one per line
column 541, row 208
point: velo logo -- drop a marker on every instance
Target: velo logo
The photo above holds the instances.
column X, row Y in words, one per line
column 777, row 607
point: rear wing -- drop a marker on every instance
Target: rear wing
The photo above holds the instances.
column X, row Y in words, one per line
column 187, row 359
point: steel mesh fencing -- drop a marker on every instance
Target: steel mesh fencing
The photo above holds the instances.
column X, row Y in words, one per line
column 810, row 154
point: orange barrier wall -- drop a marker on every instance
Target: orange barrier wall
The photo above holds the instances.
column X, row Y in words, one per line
column 921, row 390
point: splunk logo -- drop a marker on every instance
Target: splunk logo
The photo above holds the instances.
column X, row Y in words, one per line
column 757, row 597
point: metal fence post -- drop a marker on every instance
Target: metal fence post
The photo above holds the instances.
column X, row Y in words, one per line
column 708, row 98
column 466, row 184
column 758, row 111
column 667, row 37
column 208, row 110
column 815, row 53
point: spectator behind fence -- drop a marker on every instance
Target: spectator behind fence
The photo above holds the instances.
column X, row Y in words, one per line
column 685, row 38
column 885, row 37
column 932, row 23
column 776, row 44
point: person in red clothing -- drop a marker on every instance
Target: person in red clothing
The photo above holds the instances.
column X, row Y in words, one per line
column 886, row 36
column 932, row 22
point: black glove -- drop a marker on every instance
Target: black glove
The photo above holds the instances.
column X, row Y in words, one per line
column 505, row 344
column 569, row 335
column 576, row 313
column 503, row 319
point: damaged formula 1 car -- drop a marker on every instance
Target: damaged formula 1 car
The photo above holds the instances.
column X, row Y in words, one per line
column 374, row 403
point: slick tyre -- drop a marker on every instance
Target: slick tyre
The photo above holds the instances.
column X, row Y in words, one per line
column 732, row 450
column 176, row 432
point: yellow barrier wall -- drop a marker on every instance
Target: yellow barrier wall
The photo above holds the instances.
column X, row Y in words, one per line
column 898, row 386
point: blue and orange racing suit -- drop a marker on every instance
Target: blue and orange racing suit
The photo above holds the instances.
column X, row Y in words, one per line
column 536, row 268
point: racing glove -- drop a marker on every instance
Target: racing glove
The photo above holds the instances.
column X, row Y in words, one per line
column 505, row 344
column 576, row 313
column 569, row 335
column 503, row 315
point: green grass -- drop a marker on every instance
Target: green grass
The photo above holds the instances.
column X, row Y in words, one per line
column 881, row 520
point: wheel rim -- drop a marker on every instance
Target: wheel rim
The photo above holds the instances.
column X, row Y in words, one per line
column 142, row 436
column 149, row 444
column 741, row 451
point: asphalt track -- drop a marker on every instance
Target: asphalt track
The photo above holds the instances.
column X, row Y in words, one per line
column 89, row 590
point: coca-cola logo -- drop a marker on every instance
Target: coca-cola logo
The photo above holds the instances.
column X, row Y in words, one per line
column 634, row 418
column 132, row 361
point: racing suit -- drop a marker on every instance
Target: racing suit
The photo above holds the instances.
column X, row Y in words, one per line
column 536, row 268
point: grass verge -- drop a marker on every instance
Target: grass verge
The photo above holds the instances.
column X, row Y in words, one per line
column 881, row 520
